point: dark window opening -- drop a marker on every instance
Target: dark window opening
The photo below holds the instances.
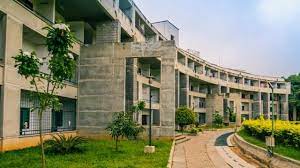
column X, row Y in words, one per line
column 251, row 97
column 57, row 119
column 25, row 117
column 144, row 119
column 172, row 37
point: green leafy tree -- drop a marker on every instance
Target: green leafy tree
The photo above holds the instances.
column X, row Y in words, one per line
column 121, row 126
column 61, row 67
column 232, row 115
column 184, row 116
column 217, row 119
column 294, row 97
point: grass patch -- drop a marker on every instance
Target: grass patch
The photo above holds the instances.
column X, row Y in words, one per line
column 282, row 150
column 98, row 154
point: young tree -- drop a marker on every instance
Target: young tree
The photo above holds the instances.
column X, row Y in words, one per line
column 184, row 116
column 121, row 126
column 294, row 97
column 217, row 119
column 61, row 67
column 232, row 114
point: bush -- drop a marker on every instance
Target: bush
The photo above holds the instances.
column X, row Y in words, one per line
column 217, row 119
column 184, row 116
column 123, row 126
column 195, row 130
column 60, row 144
column 285, row 132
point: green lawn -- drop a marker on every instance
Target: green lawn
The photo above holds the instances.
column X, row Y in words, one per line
column 97, row 154
column 282, row 150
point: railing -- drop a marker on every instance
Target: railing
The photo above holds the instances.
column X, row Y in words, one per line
column 24, row 132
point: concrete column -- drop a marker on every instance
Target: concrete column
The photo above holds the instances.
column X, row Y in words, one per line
column 177, row 91
column 203, row 69
column 294, row 114
column 268, row 106
column 226, row 117
column 214, row 103
column 184, row 90
column 45, row 8
column 285, row 114
column 131, row 84
column 101, row 87
column 238, row 106
column 10, row 95
column 167, row 90
column 250, row 110
column 108, row 32
column 260, row 104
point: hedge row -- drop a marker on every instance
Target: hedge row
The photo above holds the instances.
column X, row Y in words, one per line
column 286, row 133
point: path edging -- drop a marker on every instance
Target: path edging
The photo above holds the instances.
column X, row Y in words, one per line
column 170, row 161
column 260, row 154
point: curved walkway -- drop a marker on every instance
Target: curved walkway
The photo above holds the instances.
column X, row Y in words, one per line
column 207, row 150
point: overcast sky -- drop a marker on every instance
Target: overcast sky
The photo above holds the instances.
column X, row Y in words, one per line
column 259, row 36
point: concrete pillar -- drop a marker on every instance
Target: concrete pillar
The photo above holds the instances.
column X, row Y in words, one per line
column 131, row 84
column 214, row 103
column 184, row 90
column 268, row 106
column 177, row 91
column 250, row 110
column 238, row 106
column 45, row 8
column 10, row 93
column 226, row 117
column 102, row 87
column 260, row 104
column 285, row 114
column 108, row 32
column 294, row 114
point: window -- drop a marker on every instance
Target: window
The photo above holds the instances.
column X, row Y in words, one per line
column 57, row 119
column 251, row 97
column 243, row 96
column 144, row 119
column 172, row 37
column 25, row 117
column 202, row 118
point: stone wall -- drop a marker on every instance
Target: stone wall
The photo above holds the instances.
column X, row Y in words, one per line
column 108, row 31
column 277, row 161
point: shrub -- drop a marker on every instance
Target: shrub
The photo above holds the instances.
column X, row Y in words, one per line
column 285, row 132
column 60, row 144
column 184, row 116
column 195, row 130
column 123, row 126
column 217, row 119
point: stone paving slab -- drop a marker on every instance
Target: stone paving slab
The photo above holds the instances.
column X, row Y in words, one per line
column 203, row 151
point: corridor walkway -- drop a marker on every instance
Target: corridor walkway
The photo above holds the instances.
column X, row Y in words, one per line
column 208, row 150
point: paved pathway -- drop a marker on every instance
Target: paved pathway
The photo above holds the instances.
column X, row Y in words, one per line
column 208, row 150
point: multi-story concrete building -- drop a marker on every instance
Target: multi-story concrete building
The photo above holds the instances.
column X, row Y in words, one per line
column 118, row 49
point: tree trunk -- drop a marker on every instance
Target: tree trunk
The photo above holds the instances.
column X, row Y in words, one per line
column 294, row 113
column 41, row 140
column 117, row 144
